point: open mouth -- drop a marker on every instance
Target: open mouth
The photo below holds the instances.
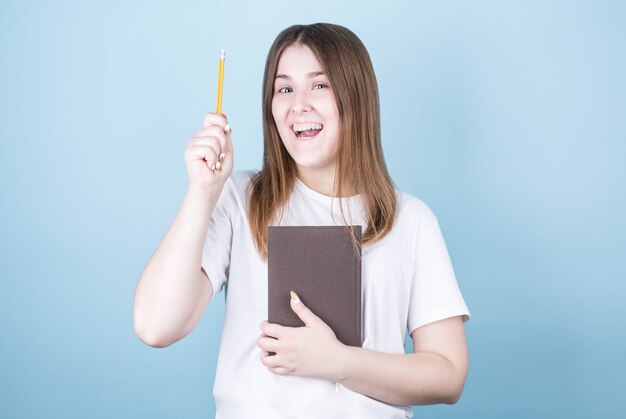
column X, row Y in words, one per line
column 307, row 131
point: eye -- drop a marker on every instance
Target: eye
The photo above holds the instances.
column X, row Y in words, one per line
column 320, row 86
column 284, row 90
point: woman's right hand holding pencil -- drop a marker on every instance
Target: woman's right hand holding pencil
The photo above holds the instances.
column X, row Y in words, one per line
column 209, row 153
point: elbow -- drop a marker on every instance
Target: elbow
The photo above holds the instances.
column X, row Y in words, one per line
column 452, row 383
column 456, row 380
column 151, row 337
column 149, row 334
column 454, row 398
column 455, row 390
column 448, row 392
column 152, row 340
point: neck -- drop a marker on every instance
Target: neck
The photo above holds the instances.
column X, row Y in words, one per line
column 322, row 181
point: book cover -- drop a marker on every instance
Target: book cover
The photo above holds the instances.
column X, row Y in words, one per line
column 323, row 266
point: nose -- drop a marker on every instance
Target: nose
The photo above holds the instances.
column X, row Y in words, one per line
column 300, row 104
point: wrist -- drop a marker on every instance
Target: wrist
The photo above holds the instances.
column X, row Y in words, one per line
column 204, row 189
column 202, row 199
column 345, row 354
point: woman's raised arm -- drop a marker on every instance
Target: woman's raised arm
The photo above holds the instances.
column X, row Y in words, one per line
column 173, row 290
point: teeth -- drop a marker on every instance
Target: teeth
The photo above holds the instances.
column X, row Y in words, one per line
column 306, row 127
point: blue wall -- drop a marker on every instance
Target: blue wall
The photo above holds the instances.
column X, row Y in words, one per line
column 507, row 118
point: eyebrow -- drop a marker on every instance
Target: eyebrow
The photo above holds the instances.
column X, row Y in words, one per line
column 309, row 75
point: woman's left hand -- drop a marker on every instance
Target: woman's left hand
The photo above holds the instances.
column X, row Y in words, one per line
column 309, row 351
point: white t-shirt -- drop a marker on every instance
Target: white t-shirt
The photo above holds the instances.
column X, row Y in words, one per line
column 407, row 282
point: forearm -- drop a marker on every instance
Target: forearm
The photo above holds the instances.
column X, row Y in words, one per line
column 170, row 284
column 404, row 379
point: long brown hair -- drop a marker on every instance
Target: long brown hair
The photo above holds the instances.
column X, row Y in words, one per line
column 360, row 162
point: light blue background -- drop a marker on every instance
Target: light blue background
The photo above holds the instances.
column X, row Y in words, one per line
column 507, row 118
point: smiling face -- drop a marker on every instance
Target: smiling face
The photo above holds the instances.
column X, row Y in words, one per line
column 305, row 113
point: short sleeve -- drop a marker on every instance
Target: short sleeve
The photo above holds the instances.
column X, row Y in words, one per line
column 435, row 294
column 218, row 240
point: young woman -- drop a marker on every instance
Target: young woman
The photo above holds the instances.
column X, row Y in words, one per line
column 322, row 165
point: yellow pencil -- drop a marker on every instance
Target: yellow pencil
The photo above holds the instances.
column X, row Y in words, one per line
column 220, row 82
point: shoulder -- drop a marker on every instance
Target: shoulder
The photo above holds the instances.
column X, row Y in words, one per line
column 414, row 217
column 413, row 208
column 239, row 182
column 241, row 178
column 236, row 189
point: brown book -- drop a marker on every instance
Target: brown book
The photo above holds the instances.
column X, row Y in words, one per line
column 322, row 265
